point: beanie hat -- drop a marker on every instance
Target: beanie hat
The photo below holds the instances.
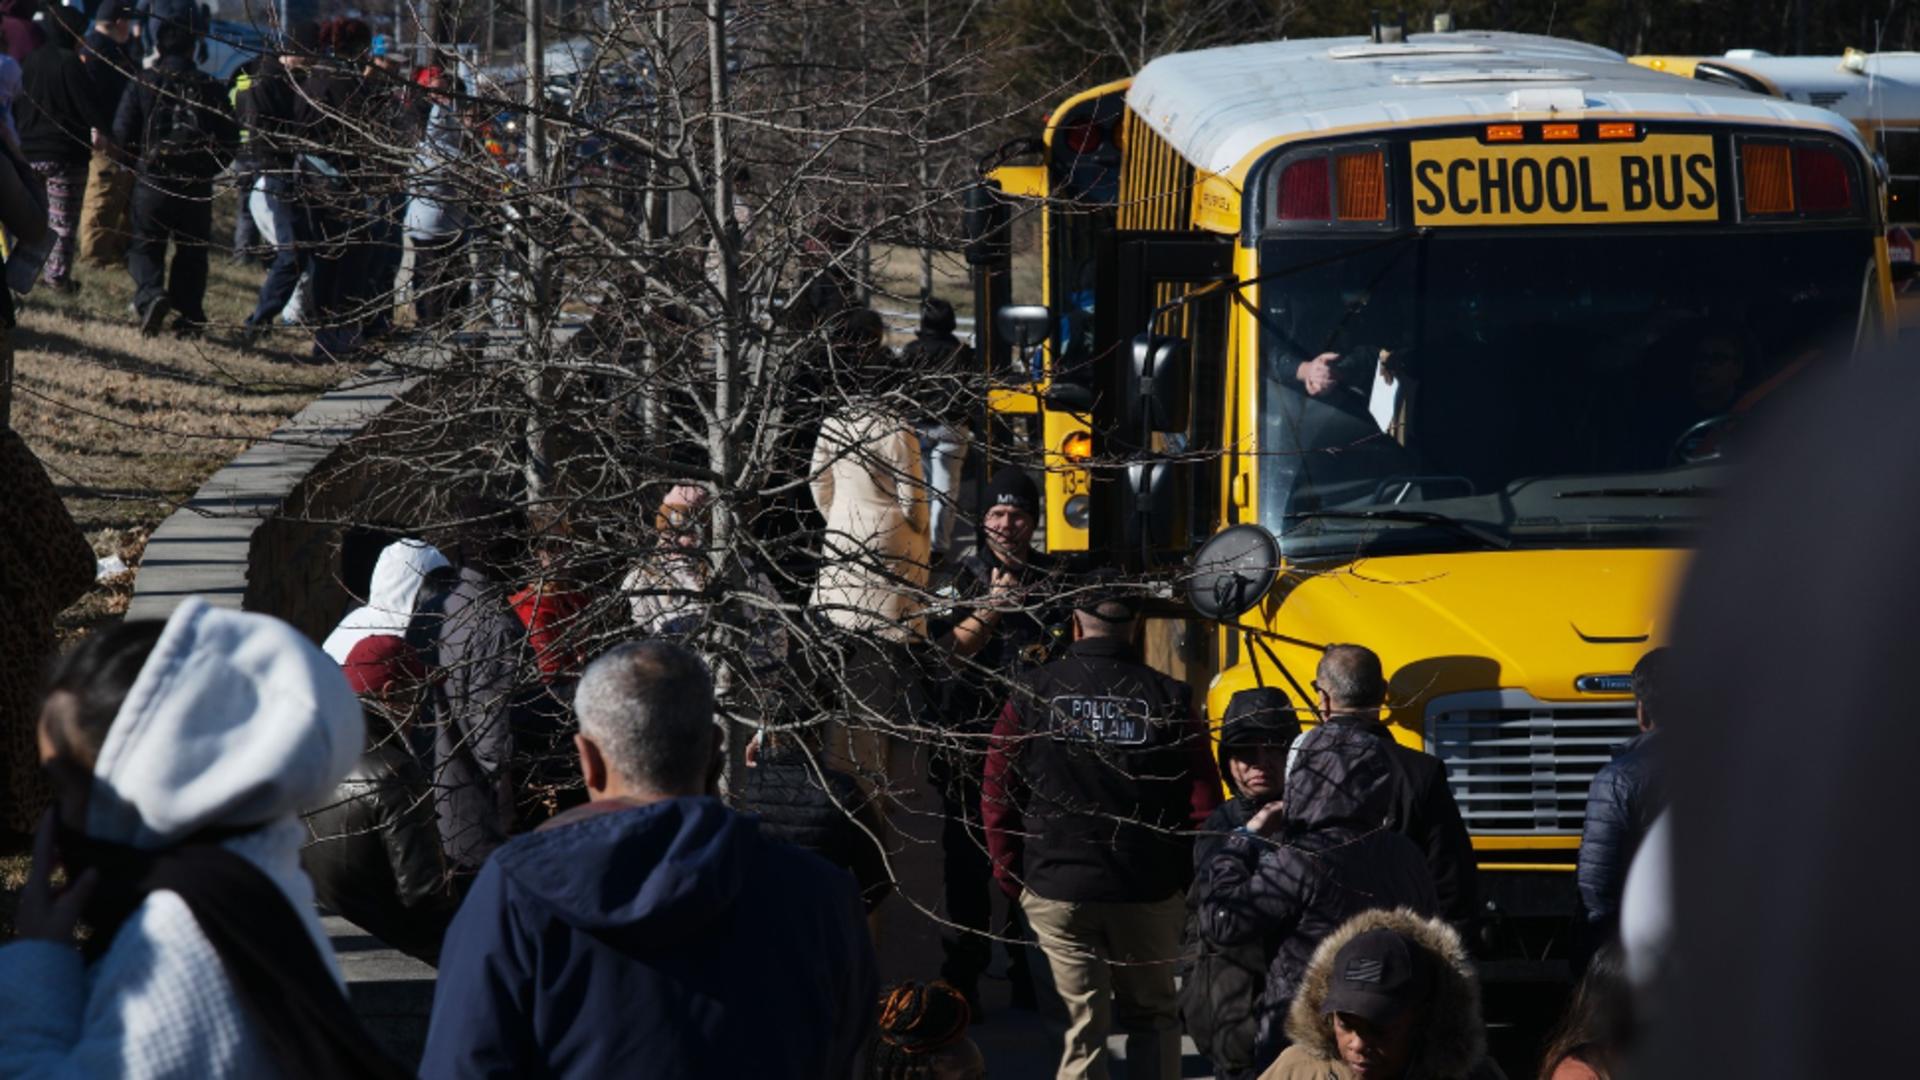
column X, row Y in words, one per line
column 381, row 663
column 1011, row 486
column 936, row 317
column 683, row 502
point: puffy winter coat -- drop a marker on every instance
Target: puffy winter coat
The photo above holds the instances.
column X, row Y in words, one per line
column 1425, row 813
column 1626, row 796
column 1453, row 1044
column 819, row 810
column 867, row 483
column 374, row 856
column 1335, row 857
column 1220, row 986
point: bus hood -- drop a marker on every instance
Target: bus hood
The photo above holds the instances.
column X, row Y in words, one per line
column 1531, row 620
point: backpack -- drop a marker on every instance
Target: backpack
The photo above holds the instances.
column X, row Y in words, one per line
column 179, row 129
column 1220, row 988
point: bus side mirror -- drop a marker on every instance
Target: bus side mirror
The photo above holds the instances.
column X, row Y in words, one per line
column 1025, row 325
column 1233, row 572
column 1156, row 503
column 1157, row 398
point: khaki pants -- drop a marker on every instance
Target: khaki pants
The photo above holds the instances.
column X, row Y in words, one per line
column 105, row 229
column 1114, row 962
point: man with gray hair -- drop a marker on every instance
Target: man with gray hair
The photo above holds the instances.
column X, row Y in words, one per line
column 652, row 927
column 1352, row 688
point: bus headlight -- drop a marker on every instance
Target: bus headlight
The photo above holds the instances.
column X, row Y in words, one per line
column 1078, row 511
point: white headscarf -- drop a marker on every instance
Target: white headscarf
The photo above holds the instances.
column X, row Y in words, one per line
column 397, row 577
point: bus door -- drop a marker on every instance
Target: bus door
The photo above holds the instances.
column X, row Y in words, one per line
column 1160, row 486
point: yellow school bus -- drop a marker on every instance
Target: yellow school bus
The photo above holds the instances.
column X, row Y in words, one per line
column 1447, row 344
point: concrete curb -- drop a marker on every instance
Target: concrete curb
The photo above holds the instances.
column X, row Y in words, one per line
column 203, row 548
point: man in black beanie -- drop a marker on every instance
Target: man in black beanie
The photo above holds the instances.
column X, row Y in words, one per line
column 943, row 372
column 996, row 621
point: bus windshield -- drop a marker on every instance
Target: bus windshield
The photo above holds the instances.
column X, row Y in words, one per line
column 1534, row 387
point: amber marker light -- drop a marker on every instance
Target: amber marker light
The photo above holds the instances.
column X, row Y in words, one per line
column 1766, row 174
column 1619, row 131
column 1505, row 133
column 1363, row 186
column 1560, row 132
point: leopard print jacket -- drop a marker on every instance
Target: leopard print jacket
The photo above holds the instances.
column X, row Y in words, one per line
column 45, row 565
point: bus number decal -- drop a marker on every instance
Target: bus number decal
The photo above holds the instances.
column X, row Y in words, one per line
column 1665, row 178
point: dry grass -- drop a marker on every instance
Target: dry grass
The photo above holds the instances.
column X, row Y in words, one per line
column 130, row 426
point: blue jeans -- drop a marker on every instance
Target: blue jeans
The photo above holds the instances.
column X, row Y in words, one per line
column 291, row 254
column 943, row 454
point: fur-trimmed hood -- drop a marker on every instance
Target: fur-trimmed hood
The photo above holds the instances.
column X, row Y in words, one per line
column 1454, row 1041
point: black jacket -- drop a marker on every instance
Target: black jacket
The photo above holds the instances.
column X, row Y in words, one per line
column 1626, row 796
column 1096, row 771
column 974, row 687
column 333, row 114
column 824, row 812
column 171, row 81
column 58, row 105
column 1220, row 986
column 1334, row 858
column 266, row 108
column 1424, row 810
column 375, row 855
column 110, row 65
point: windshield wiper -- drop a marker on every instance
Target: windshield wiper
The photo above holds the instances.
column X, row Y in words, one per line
column 1416, row 517
column 1692, row 491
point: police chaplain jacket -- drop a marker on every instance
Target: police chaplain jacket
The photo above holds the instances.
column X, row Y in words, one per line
column 1097, row 771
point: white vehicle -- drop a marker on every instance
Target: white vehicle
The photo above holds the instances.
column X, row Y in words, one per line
column 1878, row 92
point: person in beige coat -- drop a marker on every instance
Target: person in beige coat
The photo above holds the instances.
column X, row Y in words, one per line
column 1391, row 995
column 872, row 583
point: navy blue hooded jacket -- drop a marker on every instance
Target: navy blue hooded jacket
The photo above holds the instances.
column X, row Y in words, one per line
column 671, row 939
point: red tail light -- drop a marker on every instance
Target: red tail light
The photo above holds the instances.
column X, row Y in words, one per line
column 1826, row 184
column 1305, row 193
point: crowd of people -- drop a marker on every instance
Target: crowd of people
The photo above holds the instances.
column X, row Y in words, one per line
column 218, row 776
column 343, row 157
column 603, row 868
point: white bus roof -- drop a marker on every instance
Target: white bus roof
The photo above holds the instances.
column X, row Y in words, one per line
column 1217, row 107
column 1887, row 86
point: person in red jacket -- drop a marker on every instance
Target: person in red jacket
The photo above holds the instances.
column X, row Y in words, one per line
column 1097, row 773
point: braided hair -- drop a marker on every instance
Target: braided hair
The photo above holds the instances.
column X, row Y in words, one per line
column 923, row 1027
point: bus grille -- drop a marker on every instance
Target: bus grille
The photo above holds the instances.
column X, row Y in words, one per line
column 1521, row 766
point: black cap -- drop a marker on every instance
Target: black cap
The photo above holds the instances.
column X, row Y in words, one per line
column 1260, row 716
column 1378, row 976
column 936, row 317
column 107, row 11
column 1011, row 486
